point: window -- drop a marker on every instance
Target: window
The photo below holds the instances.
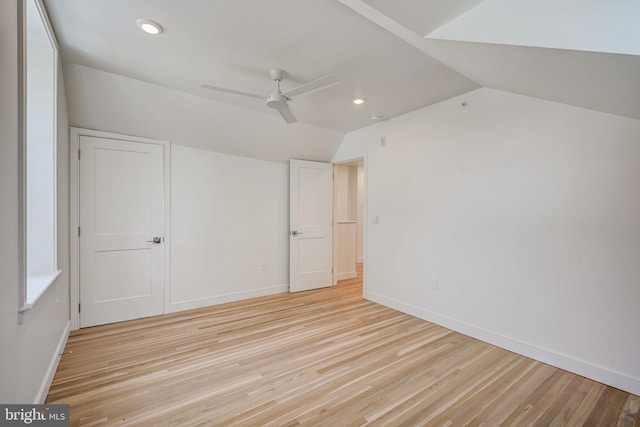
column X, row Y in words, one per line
column 39, row 79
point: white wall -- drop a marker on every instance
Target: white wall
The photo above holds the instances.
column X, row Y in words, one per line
column 9, row 262
column 28, row 352
column 229, row 214
column 345, row 259
column 526, row 212
column 346, row 187
column 229, row 219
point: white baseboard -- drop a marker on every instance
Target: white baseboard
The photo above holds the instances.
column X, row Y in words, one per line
column 53, row 366
column 221, row 299
column 347, row 275
column 569, row 363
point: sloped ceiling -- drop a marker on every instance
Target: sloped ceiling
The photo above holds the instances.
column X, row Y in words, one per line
column 574, row 52
column 398, row 56
column 234, row 44
column 609, row 26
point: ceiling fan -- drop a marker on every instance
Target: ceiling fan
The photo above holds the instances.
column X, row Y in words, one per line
column 280, row 100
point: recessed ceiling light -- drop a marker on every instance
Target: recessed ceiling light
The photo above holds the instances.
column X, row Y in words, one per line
column 358, row 101
column 149, row 26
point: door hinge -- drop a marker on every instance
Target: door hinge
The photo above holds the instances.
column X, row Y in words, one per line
column 78, row 231
column 78, row 307
column 78, row 154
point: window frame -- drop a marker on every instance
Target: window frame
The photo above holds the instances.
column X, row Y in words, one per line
column 32, row 287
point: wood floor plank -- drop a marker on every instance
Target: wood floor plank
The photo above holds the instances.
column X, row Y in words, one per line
column 322, row 358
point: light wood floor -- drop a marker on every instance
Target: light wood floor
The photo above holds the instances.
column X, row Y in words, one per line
column 324, row 357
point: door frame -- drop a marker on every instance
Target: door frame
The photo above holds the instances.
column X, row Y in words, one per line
column 364, row 223
column 74, row 213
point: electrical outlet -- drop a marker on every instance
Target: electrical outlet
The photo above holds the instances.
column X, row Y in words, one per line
column 434, row 283
column 375, row 219
column 261, row 266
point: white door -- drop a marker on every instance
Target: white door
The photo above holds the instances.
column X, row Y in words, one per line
column 311, row 231
column 121, row 230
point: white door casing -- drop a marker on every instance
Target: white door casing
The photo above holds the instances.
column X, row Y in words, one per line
column 311, row 230
column 121, row 211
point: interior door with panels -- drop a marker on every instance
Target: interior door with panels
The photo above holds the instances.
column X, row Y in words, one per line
column 311, row 225
column 122, row 224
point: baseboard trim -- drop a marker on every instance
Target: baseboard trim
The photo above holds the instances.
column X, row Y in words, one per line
column 347, row 275
column 569, row 363
column 359, row 260
column 53, row 366
column 221, row 299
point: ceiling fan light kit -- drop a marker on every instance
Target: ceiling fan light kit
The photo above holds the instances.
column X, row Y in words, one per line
column 279, row 100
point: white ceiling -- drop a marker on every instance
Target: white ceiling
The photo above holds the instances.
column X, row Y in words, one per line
column 610, row 26
column 376, row 48
column 423, row 16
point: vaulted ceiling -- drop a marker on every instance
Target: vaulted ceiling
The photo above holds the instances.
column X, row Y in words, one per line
column 397, row 55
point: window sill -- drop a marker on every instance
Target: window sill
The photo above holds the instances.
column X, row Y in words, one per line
column 36, row 287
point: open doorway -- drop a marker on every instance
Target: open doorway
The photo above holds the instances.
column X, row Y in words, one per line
column 349, row 204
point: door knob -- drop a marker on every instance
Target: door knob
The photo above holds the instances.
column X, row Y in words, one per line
column 155, row 241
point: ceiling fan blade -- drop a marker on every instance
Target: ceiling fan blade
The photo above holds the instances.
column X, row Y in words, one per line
column 234, row 92
column 287, row 115
column 313, row 86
